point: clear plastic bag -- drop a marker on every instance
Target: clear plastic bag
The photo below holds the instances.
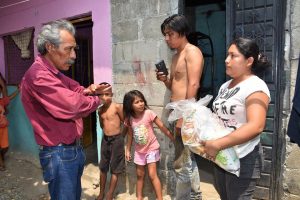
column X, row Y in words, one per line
column 200, row 124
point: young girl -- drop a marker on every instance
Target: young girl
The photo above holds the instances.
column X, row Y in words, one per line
column 139, row 118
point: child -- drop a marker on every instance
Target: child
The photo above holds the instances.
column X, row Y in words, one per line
column 112, row 145
column 139, row 118
column 4, row 101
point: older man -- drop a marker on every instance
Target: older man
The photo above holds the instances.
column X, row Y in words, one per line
column 55, row 105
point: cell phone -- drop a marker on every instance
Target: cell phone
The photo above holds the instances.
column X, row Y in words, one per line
column 161, row 67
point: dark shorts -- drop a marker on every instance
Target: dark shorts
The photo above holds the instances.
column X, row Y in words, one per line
column 112, row 154
column 231, row 187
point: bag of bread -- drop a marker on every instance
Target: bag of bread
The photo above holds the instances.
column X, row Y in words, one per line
column 200, row 124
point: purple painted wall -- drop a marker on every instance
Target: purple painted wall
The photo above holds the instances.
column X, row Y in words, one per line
column 2, row 62
column 34, row 13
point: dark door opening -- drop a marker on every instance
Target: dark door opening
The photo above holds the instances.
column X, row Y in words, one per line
column 82, row 70
column 262, row 21
column 208, row 23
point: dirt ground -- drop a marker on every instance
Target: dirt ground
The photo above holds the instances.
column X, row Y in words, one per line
column 23, row 181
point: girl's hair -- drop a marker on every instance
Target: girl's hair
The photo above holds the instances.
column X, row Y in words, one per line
column 177, row 23
column 128, row 100
column 249, row 48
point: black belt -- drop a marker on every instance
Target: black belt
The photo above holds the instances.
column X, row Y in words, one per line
column 112, row 136
column 75, row 143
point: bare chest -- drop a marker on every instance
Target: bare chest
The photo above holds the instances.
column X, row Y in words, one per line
column 179, row 69
column 110, row 114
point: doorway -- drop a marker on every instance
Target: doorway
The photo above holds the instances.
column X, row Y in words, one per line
column 82, row 70
column 208, row 23
column 207, row 20
column 263, row 22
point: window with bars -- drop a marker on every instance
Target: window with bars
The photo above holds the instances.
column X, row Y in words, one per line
column 15, row 65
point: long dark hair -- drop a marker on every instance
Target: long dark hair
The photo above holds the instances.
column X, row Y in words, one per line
column 177, row 23
column 128, row 100
column 249, row 48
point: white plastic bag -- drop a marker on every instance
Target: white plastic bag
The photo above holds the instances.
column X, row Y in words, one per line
column 200, row 124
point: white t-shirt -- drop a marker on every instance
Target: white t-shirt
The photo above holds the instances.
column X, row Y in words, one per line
column 229, row 105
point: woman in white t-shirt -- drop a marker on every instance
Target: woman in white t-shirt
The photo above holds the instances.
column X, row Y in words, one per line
column 242, row 105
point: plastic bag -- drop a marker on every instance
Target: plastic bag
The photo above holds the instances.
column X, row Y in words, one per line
column 200, row 124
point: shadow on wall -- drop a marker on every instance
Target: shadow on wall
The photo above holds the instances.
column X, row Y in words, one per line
column 21, row 138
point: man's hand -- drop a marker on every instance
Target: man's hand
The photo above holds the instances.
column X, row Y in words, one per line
column 95, row 89
column 161, row 76
column 101, row 88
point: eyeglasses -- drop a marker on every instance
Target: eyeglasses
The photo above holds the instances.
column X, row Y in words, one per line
column 69, row 49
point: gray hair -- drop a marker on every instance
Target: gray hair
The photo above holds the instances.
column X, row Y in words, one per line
column 50, row 33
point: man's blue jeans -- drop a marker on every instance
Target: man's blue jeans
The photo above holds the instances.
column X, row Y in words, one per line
column 187, row 173
column 62, row 169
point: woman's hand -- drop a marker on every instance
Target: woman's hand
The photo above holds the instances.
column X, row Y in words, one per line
column 211, row 149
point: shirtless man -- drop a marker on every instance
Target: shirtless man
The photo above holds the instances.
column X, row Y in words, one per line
column 184, row 82
column 112, row 146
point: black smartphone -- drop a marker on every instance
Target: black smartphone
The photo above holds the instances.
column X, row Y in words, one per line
column 161, row 67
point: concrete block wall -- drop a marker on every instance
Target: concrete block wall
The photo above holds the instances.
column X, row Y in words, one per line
column 291, row 172
column 137, row 45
